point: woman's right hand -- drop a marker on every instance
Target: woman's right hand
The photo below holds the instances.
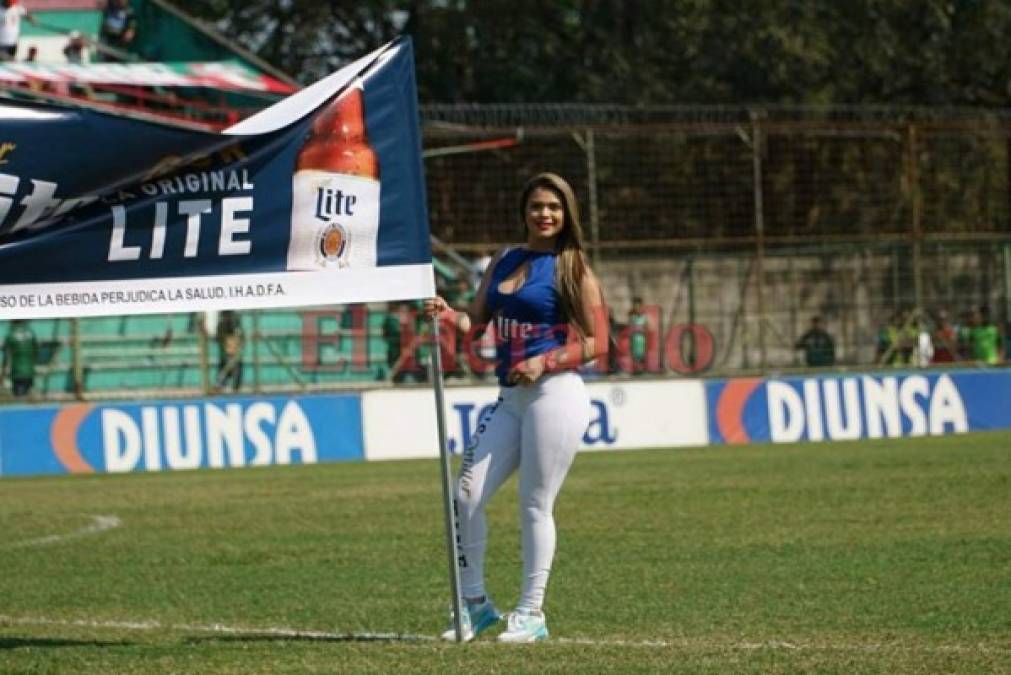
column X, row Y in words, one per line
column 432, row 307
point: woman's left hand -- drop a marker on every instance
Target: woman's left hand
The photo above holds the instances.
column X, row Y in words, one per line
column 528, row 371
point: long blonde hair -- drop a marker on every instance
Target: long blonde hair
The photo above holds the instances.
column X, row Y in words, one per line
column 571, row 266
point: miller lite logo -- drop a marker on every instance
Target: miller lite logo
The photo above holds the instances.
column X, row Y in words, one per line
column 332, row 244
column 332, row 202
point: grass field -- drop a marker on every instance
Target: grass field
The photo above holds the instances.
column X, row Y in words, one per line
column 891, row 556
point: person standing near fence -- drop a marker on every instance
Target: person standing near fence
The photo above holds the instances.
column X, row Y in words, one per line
column 638, row 321
column 392, row 328
column 963, row 333
column 118, row 28
column 549, row 317
column 944, row 339
column 230, row 344
column 11, row 14
column 20, row 353
column 818, row 346
column 987, row 343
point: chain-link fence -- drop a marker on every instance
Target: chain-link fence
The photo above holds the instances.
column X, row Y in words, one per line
column 734, row 226
column 746, row 224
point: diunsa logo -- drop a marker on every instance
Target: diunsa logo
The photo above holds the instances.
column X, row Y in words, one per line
column 864, row 407
column 159, row 437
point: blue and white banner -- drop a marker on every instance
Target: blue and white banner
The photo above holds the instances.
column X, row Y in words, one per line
column 624, row 416
column 319, row 199
column 175, row 435
column 852, row 406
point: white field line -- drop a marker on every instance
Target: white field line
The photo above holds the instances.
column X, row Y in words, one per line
column 98, row 524
column 215, row 628
column 325, row 636
column 867, row 647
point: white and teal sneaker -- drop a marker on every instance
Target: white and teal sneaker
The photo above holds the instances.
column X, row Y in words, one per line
column 524, row 627
column 476, row 620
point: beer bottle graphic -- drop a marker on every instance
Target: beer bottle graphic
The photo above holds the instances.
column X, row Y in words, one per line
column 335, row 191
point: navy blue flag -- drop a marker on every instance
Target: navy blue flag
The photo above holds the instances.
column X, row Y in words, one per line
column 319, row 199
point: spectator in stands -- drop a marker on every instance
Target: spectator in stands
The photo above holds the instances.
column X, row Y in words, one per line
column 886, row 336
column 909, row 333
column 392, row 329
column 963, row 334
column 34, row 83
column 408, row 343
column 421, row 346
column 638, row 339
column 460, row 292
column 945, row 339
column 118, row 29
column 818, row 346
column 20, row 353
column 11, row 13
column 75, row 51
column 987, row 342
column 923, row 347
column 230, row 345
column 897, row 340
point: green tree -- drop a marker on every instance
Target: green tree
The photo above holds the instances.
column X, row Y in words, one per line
column 636, row 52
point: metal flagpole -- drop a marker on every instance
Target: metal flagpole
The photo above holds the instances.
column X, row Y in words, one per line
column 448, row 502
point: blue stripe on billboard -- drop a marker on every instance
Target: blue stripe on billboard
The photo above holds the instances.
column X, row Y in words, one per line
column 855, row 406
column 176, row 435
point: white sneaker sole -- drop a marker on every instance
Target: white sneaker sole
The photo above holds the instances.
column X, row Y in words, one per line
column 522, row 639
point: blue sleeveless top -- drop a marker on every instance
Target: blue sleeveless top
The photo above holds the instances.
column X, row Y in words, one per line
column 528, row 322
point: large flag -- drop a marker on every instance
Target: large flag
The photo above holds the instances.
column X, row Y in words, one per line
column 319, row 199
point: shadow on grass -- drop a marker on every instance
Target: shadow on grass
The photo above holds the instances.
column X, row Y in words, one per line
column 23, row 643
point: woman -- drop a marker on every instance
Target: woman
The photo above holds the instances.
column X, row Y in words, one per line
column 549, row 319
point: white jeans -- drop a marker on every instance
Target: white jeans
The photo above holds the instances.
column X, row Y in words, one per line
column 536, row 428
